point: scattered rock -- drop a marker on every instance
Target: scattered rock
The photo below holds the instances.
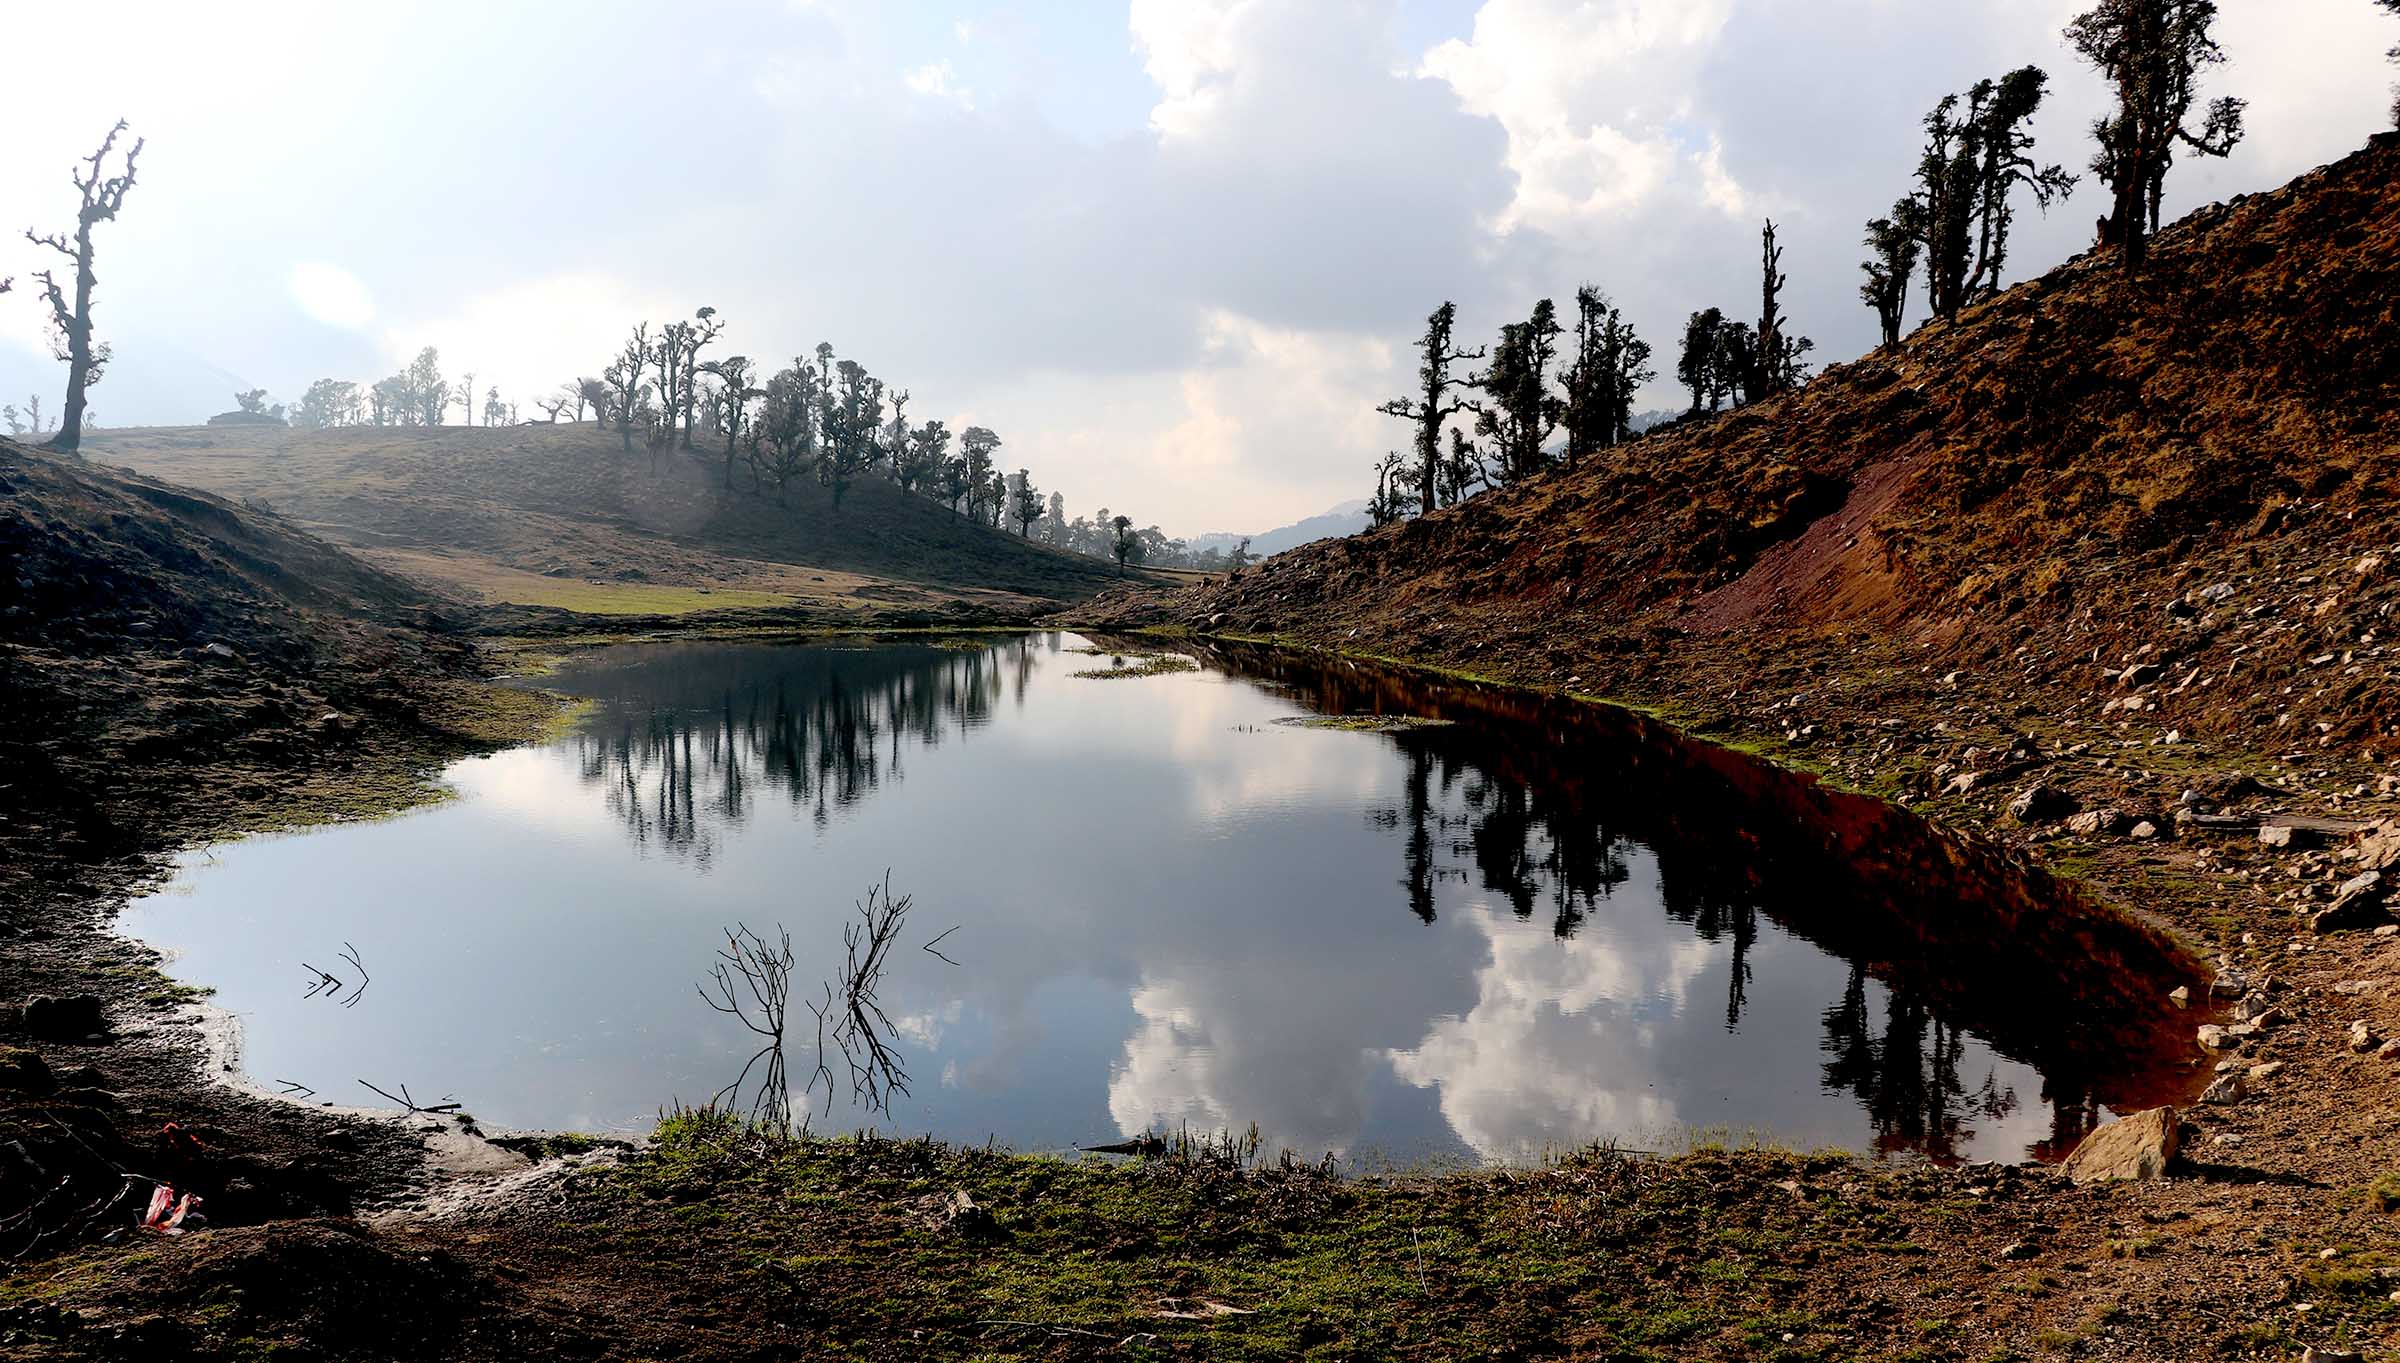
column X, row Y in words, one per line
column 2041, row 804
column 2362, row 1037
column 2130, row 1148
column 2225, row 1092
column 71, row 1018
column 2231, row 984
column 2097, row 822
column 2275, row 835
column 219, row 651
column 2180, row 996
column 2018, row 1250
column 967, row 1216
column 2266, row 1069
column 2143, row 831
column 2215, row 1038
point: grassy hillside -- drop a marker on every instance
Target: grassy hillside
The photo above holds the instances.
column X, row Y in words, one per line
column 2196, row 474
column 563, row 516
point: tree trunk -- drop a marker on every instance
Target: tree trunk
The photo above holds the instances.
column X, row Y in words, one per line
column 79, row 345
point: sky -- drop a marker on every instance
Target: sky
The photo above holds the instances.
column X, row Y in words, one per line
column 1173, row 251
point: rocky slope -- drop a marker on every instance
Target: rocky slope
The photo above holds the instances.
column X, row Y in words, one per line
column 2173, row 497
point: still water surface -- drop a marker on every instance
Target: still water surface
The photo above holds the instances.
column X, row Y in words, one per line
column 1532, row 927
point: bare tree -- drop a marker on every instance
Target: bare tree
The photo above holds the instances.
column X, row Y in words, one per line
column 465, row 398
column 103, row 195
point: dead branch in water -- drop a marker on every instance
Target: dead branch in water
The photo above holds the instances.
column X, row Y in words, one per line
column 877, row 1074
column 332, row 985
column 752, row 983
column 406, row 1100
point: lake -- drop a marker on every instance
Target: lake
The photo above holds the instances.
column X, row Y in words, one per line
column 1168, row 902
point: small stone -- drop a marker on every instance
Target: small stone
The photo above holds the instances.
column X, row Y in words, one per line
column 2215, row 1038
column 2143, row 831
column 2266, row 1069
column 2225, row 1092
column 2314, row 1354
column 2230, row 984
column 2180, row 996
column 2130, row 1148
column 2018, row 1250
column 2362, row 1037
column 2252, row 1007
column 2275, row 835
column 218, row 651
column 2388, row 1049
column 2388, row 930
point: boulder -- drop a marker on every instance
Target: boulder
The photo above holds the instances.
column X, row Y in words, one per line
column 2040, row 804
column 22, row 1071
column 2130, row 1148
column 2379, row 850
column 2359, row 903
column 2095, row 822
column 71, row 1018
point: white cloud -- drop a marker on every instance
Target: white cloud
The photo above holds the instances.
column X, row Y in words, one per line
column 1561, row 1045
column 529, row 337
column 332, row 295
column 1595, row 95
column 939, row 80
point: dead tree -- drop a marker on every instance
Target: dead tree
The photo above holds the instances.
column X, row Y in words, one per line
column 103, row 195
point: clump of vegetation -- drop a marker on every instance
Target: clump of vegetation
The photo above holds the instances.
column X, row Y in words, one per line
column 1141, row 665
column 1363, row 724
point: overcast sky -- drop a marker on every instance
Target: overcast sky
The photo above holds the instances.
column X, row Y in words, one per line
column 1173, row 251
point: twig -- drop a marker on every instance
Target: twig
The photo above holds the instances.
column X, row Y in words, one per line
column 1053, row 1329
column 297, row 1090
column 406, row 1100
column 937, row 941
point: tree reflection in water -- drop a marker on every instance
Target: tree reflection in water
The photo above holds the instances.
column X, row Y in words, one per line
column 1546, row 807
column 685, row 739
column 1540, row 801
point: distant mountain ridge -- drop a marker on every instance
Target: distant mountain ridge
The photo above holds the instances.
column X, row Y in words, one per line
column 1346, row 519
